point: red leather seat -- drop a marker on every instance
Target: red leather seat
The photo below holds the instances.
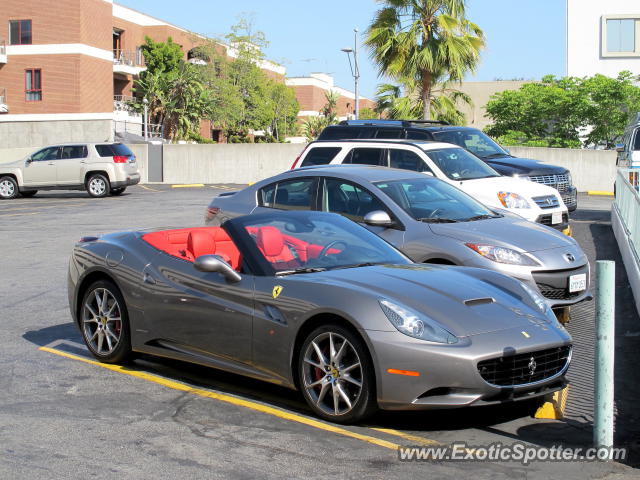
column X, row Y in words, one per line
column 200, row 243
column 272, row 245
column 225, row 247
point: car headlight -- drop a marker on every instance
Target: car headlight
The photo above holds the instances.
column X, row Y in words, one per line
column 503, row 255
column 542, row 305
column 414, row 325
column 512, row 200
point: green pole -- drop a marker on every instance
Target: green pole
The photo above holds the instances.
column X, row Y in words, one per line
column 605, row 347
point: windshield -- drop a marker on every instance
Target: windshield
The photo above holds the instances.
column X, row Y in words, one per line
column 473, row 140
column 458, row 164
column 434, row 201
column 302, row 242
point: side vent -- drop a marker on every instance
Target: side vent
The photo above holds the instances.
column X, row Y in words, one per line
column 479, row 301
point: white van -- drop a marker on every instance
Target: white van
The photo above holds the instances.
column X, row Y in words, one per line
column 629, row 149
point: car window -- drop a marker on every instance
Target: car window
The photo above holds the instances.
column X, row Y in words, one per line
column 406, row 160
column 340, row 133
column 320, row 156
column 429, row 200
column 390, row 133
column 458, row 164
column 636, row 146
column 473, row 140
column 73, row 151
column 367, row 156
column 289, row 195
column 416, row 135
column 349, row 199
column 49, row 153
column 113, row 149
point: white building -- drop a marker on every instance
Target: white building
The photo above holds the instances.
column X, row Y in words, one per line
column 603, row 37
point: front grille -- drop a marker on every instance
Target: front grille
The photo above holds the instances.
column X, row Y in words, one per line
column 570, row 200
column 547, row 201
column 524, row 368
column 546, row 219
column 559, row 182
column 554, row 293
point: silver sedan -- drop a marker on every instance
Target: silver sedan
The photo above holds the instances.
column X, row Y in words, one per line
column 429, row 220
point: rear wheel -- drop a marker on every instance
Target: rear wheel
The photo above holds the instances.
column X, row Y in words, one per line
column 104, row 322
column 336, row 375
column 98, row 185
column 29, row 193
column 118, row 191
column 8, row 188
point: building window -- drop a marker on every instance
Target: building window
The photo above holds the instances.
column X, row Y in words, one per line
column 20, row 32
column 621, row 36
column 33, row 85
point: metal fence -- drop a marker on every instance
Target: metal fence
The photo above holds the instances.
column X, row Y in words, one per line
column 4, row 108
column 122, row 103
column 628, row 203
column 154, row 131
column 133, row 58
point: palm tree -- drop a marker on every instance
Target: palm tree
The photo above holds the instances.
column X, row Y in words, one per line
column 424, row 40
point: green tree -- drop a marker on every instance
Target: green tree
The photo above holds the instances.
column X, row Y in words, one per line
column 565, row 112
column 424, row 41
column 401, row 102
column 161, row 57
column 328, row 115
column 368, row 113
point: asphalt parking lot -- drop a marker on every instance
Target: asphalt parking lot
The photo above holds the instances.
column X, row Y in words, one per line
column 64, row 416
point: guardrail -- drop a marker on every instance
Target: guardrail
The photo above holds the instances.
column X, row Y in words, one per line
column 625, row 221
column 154, row 131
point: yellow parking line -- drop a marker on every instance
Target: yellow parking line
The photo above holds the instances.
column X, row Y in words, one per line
column 149, row 188
column 599, row 192
column 229, row 399
column 189, row 185
column 19, row 214
column 417, row 440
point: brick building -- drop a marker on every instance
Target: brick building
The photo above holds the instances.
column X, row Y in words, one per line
column 311, row 94
column 67, row 67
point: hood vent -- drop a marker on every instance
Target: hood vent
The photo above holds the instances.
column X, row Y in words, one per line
column 478, row 301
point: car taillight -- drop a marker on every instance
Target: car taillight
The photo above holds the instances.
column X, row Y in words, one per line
column 120, row 159
column 211, row 212
column 295, row 162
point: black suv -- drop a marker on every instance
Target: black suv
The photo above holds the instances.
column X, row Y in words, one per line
column 469, row 138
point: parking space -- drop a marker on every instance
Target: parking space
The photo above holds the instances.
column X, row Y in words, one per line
column 63, row 414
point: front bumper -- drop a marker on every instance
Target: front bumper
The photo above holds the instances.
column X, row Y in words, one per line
column 448, row 374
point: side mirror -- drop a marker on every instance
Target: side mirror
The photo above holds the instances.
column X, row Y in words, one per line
column 378, row 218
column 620, row 147
column 214, row 263
column 29, row 160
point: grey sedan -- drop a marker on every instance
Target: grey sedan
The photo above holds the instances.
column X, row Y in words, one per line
column 313, row 301
column 429, row 220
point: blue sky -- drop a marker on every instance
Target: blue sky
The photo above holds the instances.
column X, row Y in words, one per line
column 525, row 38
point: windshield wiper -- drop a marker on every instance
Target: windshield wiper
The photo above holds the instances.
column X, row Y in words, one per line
column 482, row 217
column 496, row 155
column 438, row 220
column 357, row 265
column 300, row 270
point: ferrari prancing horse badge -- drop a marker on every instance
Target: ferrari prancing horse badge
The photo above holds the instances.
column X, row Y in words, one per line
column 276, row 291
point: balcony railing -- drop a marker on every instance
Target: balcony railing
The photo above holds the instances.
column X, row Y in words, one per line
column 3, row 51
column 122, row 103
column 4, row 108
column 128, row 58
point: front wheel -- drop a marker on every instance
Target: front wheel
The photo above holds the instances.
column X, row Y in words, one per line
column 8, row 188
column 118, row 191
column 336, row 375
column 98, row 185
column 104, row 322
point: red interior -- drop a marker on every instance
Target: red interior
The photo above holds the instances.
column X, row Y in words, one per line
column 190, row 243
column 281, row 250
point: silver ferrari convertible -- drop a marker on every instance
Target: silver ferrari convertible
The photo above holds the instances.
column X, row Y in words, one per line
column 315, row 302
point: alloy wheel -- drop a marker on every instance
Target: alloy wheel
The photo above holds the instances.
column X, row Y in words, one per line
column 97, row 186
column 101, row 321
column 7, row 188
column 332, row 373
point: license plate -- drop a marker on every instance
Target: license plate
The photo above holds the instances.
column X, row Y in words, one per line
column 556, row 218
column 577, row 283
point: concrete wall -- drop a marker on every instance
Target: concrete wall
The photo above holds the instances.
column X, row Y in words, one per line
column 480, row 93
column 141, row 150
column 227, row 163
column 38, row 134
column 590, row 169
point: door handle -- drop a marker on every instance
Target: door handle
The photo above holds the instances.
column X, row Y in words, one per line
column 51, row 163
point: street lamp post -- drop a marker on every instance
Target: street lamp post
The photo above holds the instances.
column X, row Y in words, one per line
column 145, row 119
column 355, row 70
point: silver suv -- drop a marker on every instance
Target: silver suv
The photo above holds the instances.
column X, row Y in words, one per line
column 99, row 168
